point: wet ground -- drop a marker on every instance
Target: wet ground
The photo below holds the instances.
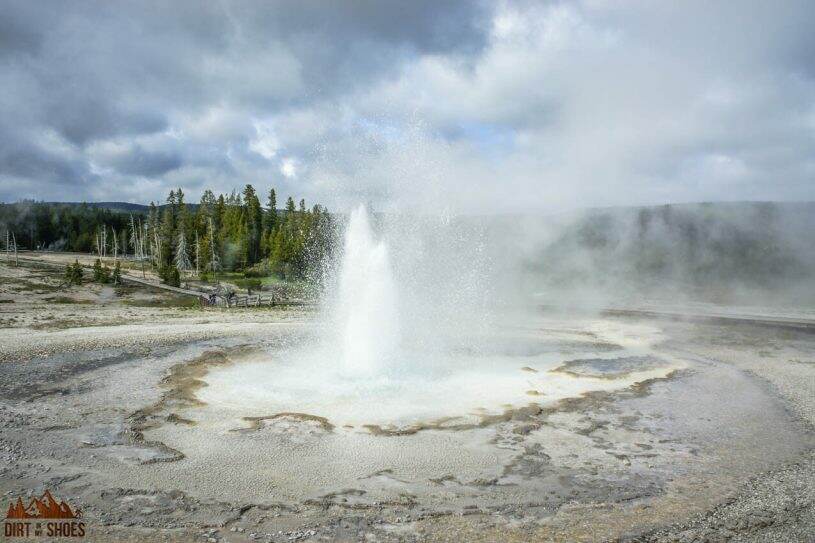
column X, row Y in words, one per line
column 656, row 431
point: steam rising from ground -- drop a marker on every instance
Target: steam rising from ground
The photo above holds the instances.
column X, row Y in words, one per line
column 726, row 253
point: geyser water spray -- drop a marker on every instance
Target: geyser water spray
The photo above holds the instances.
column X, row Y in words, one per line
column 367, row 310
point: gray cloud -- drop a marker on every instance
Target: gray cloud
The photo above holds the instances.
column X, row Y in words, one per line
column 137, row 161
column 462, row 104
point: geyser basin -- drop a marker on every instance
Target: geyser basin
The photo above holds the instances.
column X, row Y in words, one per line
column 273, row 427
column 415, row 389
column 466, row 383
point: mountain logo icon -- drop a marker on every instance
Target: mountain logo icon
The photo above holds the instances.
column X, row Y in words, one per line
column 44, row 507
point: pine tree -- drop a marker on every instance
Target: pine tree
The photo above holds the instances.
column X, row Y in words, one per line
column 253, row 221
column 183, row 219
column 151, row 229
column 172, row 276
column 231, row 236
column 97, row 271
column 134, row 238
column 197, row 255
column 277, row 251
column 78, row 272
column 270, row 219
column 73, row 273
column 167, row 232
column 214, row 262
column 205, row 254
column 117, row 274
column 220, row 211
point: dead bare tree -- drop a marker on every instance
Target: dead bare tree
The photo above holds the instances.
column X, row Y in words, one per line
column 134, row 239
column 143, row 237
column 137, row 235
column 11, row 245
column 197, row 253
column 156, row 247
column 14, row 242
column 102, row 241
column 182, row 260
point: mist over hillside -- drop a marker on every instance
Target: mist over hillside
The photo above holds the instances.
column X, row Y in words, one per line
column 743, row 253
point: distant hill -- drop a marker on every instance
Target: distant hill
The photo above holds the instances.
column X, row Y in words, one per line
column 124, row 207
column 113, row 206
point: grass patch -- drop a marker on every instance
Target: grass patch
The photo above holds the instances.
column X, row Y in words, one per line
column 241, row 281
column 266, row 282
column 26, row 285
column 185, row 302
column 128, row 289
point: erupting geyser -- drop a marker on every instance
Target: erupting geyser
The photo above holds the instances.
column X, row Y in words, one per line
column 367, row 314
column 391, row 363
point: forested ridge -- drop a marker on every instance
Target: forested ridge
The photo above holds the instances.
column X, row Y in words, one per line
column 228, row 232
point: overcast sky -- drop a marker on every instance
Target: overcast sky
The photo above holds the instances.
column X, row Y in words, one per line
column 474, row 106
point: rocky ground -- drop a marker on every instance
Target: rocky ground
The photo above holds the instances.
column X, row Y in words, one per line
column 40, row 316
column 91, row 376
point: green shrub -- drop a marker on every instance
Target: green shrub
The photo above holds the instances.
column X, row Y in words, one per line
column 117, row 274
column 261, row 269
column 73, row 273
column 251, row 284
column 170, row 276
column 97, row 271
column 101, row 273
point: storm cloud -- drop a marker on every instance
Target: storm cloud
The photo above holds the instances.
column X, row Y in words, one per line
column 474, row 106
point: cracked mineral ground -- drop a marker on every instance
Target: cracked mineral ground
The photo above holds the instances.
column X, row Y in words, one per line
column 168, row 423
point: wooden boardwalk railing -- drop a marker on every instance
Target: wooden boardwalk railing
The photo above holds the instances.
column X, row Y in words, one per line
column 257, row 300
